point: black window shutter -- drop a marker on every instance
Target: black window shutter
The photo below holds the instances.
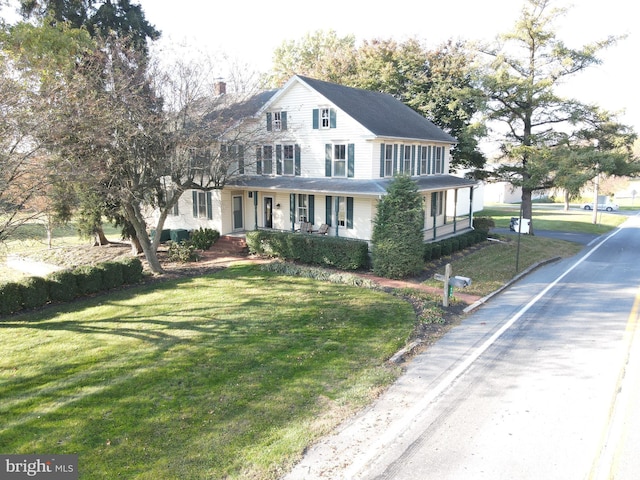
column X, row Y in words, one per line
column 327, row 159
column 297, row 159
column 418, row 159
column 259, row 160
column 268, row 121
column 395, row 158
column 241, row 159
column 279, row 159
column 401, row 158
column 382, row 160
column 283, row 120
column 349, row 212
column 413, row 159
column 332, row 118
column 350, row 160
column 328, row 204
column 312, row 209
column 194, row 200
column 316, row 121
column 292, row 210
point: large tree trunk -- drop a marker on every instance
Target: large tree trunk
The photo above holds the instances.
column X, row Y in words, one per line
column 136, row 219
column 527, row 207
column 100, row 238
column 136, row 248
column 567, row 199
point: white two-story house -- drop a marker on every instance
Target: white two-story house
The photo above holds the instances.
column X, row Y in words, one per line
column 333, row 152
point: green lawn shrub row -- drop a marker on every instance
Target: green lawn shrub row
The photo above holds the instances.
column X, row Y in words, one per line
column 66, row 285
column 443, row 248
column 342, row 253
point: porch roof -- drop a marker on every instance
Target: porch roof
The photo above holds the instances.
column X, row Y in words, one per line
column 345, row 186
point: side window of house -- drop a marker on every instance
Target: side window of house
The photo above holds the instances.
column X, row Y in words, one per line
column 171, row 194
column 202, row 204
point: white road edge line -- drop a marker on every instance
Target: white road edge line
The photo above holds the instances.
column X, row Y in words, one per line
column 403, row 424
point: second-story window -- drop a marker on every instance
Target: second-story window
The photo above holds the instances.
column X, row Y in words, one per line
column 438, row 160
column 339, row 160
column 288, row 160
column 267, row 160
column 407, row 159
column 424, row 160
column 388, row 160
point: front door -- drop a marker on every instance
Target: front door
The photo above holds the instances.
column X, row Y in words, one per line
column 268, row 212
column 238, row 223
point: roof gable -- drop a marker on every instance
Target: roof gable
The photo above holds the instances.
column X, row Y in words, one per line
column 380, row 113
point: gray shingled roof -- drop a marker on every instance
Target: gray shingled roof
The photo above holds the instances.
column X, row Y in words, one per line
column 380, row 113
column 345, row 186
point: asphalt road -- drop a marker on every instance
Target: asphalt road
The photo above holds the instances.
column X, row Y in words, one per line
column 539, row 383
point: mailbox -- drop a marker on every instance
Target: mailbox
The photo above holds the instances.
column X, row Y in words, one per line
column 459, row 282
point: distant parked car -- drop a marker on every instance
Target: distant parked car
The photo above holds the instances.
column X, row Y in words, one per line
column 609, row 207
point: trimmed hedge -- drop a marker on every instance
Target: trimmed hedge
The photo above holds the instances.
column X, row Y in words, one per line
column 63, row 286
column 448, row 246
column 66, row 285
column 131, row 270
column 10, row 297
column 88, row 279
column 342, row 253
column 111, row 275
column 35, row 292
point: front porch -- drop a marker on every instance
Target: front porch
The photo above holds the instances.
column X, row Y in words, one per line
column 458, row 226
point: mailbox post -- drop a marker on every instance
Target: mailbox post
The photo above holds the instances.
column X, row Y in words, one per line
column 449, row 282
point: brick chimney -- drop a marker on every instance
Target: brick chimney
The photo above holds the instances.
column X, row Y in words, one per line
column 219, row 88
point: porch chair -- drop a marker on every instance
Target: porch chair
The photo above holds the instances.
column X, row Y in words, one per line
column 323, row 230
column 305, row 227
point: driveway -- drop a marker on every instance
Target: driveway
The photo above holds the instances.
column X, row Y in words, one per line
column 582, row 238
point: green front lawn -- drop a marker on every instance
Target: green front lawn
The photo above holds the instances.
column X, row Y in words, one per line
column 230, row 375
column 495, row 264
column 553, row 217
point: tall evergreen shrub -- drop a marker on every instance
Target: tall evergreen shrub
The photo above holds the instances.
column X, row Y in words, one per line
column 397, row 243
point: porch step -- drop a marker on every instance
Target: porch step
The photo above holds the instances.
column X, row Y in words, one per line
column 231, row 245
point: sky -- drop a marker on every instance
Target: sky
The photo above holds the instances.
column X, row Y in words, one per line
column 250, row 31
